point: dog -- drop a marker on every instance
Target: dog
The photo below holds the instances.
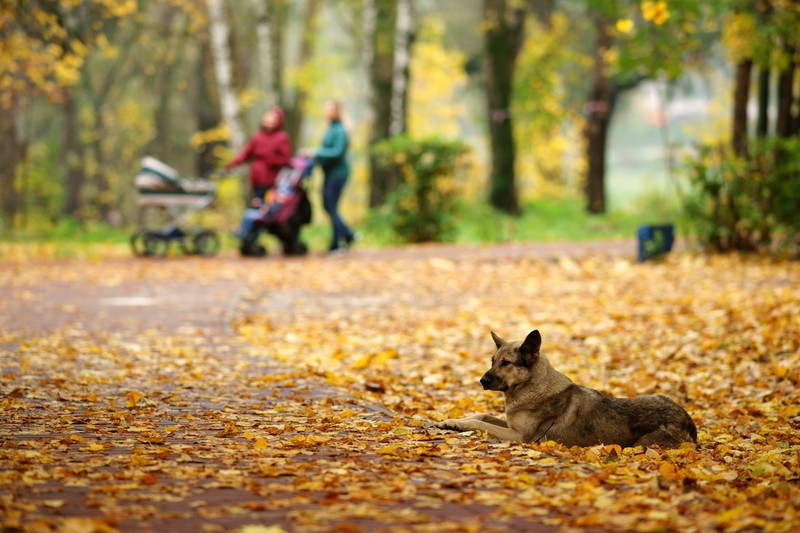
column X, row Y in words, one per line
column 543, row 404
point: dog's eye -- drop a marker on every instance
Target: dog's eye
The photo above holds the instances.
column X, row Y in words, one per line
column 505, row 363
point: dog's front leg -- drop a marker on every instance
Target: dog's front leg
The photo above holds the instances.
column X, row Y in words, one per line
column 477, row 424
column 488, row 418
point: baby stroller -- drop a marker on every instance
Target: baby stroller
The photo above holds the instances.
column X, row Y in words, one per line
column 162, row 189
column 285, row 211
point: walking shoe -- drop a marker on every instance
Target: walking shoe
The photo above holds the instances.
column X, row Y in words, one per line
column 349, row 241
column 336, row 251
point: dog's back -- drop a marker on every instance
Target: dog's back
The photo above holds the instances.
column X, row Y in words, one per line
column 588, row 417
column 547, row 405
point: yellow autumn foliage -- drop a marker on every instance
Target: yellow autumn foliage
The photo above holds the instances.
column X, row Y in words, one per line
column 438, row 81
column 739, row 35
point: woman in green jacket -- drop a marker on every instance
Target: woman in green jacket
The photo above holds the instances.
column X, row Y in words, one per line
column 332, row 157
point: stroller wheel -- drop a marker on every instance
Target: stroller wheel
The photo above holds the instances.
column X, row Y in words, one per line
column 206, row 243
column 295, row 248
column 252, row 249
column 137, row 243
column 155, row 245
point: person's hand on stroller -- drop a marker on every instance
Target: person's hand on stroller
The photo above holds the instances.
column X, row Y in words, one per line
column 307, row 153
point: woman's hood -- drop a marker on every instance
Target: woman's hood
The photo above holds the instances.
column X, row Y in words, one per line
column 279, row 118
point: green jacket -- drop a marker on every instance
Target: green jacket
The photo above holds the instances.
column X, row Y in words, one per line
column 332, row 156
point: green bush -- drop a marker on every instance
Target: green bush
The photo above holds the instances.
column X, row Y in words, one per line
column 746, row 202
column 422, row 172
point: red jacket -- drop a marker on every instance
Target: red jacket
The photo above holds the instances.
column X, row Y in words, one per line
column 268, row 151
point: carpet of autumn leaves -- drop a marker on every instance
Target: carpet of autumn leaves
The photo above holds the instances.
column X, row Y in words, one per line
column 313, row 413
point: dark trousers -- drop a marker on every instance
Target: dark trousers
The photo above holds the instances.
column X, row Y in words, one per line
column 331, row 193
column 260, row 192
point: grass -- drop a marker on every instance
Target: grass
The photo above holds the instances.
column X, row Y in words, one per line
column 545, row 220
column 474, row 222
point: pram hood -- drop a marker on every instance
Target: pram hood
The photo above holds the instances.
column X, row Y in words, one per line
column 157, row 177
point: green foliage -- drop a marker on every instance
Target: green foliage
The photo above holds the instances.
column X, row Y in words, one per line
column 423, row 172
column 556, row 219
column 543, row 220
column 749, row 202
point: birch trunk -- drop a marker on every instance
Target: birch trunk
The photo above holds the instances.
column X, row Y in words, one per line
column 223, row 71
column 368, row 51
column 402, row 60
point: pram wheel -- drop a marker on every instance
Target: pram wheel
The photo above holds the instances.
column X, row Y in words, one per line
column 137, row 243
column 155, row 245
column 206, row 243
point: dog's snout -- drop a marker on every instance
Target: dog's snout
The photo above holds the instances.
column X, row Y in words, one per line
column 487, row 380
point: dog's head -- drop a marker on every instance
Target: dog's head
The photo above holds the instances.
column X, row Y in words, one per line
column 513, row 362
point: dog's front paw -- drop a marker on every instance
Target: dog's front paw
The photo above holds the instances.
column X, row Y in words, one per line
column 453, row 425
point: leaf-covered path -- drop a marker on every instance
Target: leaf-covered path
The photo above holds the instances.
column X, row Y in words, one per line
column 212, row 394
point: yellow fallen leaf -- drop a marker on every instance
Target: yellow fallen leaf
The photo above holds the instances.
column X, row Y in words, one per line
column 388, row 450
column 133, row 398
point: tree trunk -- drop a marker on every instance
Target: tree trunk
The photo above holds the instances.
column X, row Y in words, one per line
column 502, row 42
column 402, row 60
column 296, row 111
column 598, row 120
column 762, row 124
column 9, row 159
column 267, row 33
column 368, row 24
column 381, row 75
column 223, row 70
column 543, row 11
column 786, row 97
column 71, row 158
column 206, row 107
column 102, row 197
column 741, row 95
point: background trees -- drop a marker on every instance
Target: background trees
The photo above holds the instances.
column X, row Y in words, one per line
column 90, row 87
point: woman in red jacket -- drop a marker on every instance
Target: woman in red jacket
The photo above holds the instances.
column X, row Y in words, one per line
column 268, row 151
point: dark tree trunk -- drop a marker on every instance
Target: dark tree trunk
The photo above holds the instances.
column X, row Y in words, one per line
column 381, row 75
column 598, row 111
column 296, row 112
column 9, row 159
column 207, row 114
column 762, row 124
column 161, row 144
column 543, row 11
column 786, row 97
column 502, row 41
column 100, row 197
column 72, row 159
column 741, row 95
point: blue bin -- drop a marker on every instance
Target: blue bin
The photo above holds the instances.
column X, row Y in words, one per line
column 655, row 240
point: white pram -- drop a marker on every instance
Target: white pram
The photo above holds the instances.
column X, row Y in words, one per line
column 161, row 188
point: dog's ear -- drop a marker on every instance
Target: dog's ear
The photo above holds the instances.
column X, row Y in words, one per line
column 497, row 340
column 529, row 350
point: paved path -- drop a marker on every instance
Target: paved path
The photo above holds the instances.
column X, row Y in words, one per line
column 190, row 301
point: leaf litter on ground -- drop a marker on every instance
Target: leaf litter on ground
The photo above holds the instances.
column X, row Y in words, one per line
column 136, row 420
